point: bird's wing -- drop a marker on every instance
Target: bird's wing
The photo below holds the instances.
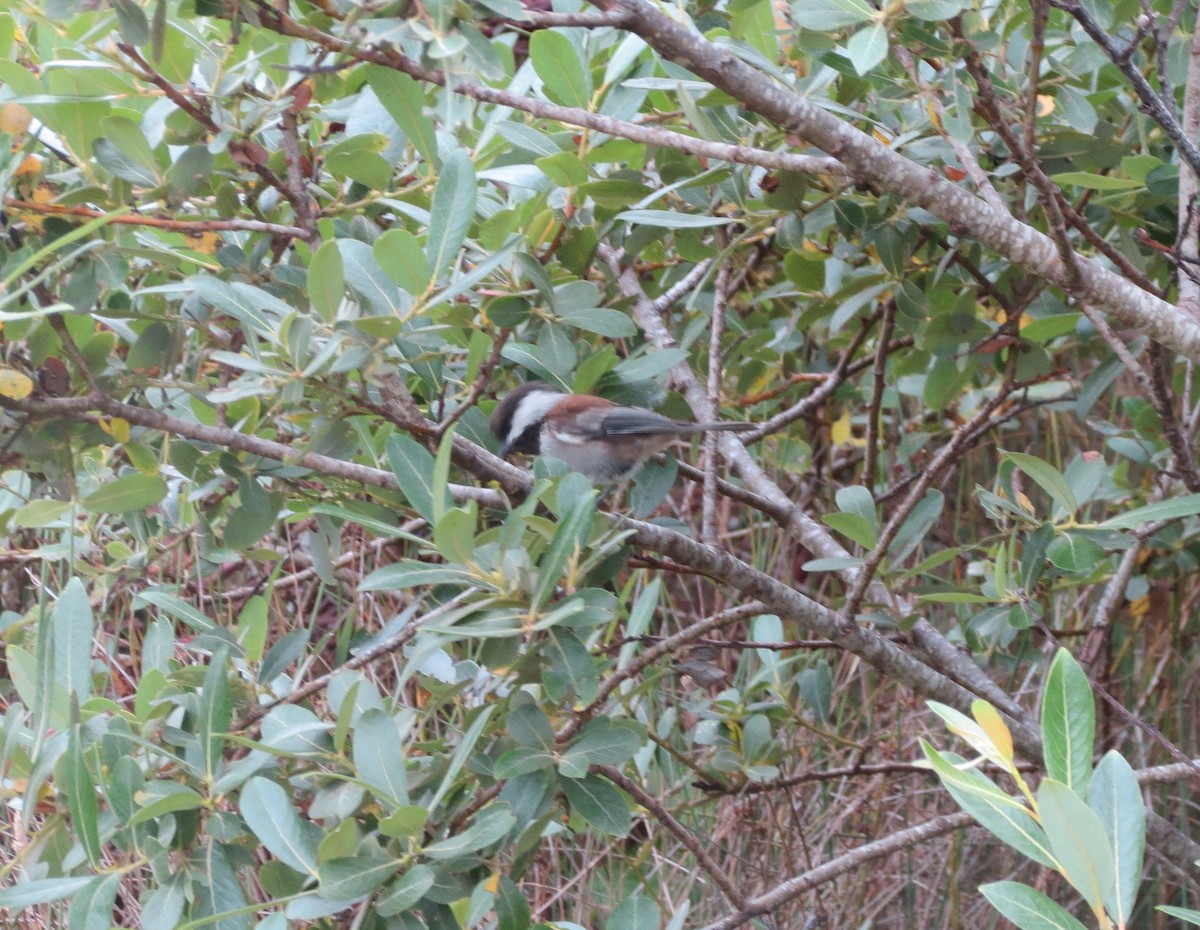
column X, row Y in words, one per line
column 630, row 421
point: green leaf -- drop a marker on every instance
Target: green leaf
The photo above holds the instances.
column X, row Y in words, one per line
column 352, row 877
column 72, row 626
column 599, row 803
column 868, row 47
column 134, row 491
column 568, row 542
column 1078, row 840
column 110, row 157
column 404, row 99
column 530, row 727
column 92, row 908
column 414, row 574
column 1186, row 505
column 81, row 796
column 413, row 464
column 1047, row 477
column 379, row 757
column 1183, row 913
column 600, row 320
column 214, row 713
column 1068, row 723
column 1006, row 817
column 27, row 894
column 1116, row 797
column 326, row 280
column 267, row 809
column 636, row 912
column 563, row 168
column 571, row 670
column 1028, row 908
column 669, row 219
column 816, row 687
column 452, row 211
column 403, row 260
column 461, row 753
column 369, row 281
column 1075, row 553
column 1095, row 182
column 836, row 564
column 854, row 498
column 854, row 526
column 489, row 826
column 162, row 798
column 560, row 66
column 406, row 891
column 828, row 15
column 934, row 10
column 601, row 742
column 916, row 527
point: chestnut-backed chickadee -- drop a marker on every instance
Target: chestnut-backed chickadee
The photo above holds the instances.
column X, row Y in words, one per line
column 597, row 438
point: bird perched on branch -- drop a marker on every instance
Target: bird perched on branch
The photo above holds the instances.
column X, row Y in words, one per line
column 597, row 438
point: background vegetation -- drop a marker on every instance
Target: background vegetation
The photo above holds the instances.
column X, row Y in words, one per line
column 284, row 643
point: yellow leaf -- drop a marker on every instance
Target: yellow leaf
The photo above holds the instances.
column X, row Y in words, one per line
column 206, row 242
column 117, row 428
column 1140, row 607
column 492, row 885
column 14, row 119
column 30, row 165
column 840, row 434
column 1045, row 105
column 994, row 727
column 14, row 384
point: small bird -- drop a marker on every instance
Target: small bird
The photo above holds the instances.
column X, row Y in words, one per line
column 597, row 438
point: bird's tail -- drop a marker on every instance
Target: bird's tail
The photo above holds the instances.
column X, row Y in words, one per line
column 724, row 427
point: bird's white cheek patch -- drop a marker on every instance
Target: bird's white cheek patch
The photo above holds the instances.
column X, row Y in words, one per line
column 532, row 409
column 569, row 439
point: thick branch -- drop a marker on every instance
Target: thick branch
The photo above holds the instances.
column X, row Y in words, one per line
column 870, row 162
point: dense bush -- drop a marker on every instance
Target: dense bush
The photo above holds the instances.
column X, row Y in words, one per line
column 284, row 641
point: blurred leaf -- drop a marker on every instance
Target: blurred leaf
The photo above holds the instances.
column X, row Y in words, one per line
column 404, row 99
column 403, row 260
column 1048, row 478
column 326, row 280
column 915, row 529
column 1028, row 908
column 85, row 812
column 134, row 491
column 489, row 826
column 557, row 63
column 451, row 213
column 28, row 894
column 92, row 908
column 599, row 803
column 1186, row 505
column 352, row 877
column 379, row 757
column 406, row 891
column 634, row 913
column 827, row 15
column 71, row 626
